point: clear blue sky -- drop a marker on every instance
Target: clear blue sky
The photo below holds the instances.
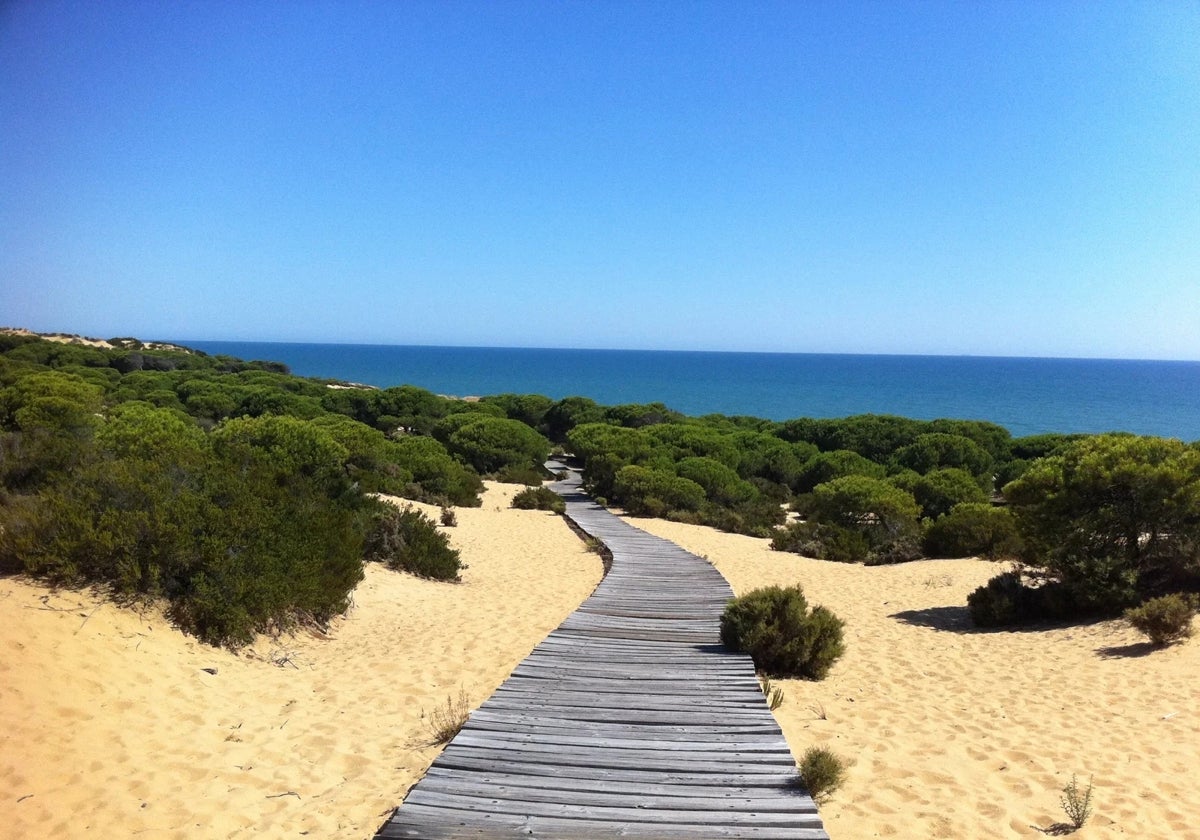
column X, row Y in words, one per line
column 999, row 178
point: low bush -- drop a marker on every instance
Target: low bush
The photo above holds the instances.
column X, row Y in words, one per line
column 1002, row 600
column 1164, row 620
column 822, row 772
column 1100, row 589
column 902, row 549
column 539, row 498
column 529, row 476
column 973, row 530
column 822, row 541
column 407, row 540
column 839, row 544
column 782, row 635
column 449, row 517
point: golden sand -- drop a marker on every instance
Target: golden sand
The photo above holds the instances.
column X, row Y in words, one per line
column 955, row 733
column 112, row 727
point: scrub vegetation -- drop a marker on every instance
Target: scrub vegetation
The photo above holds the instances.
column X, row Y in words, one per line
column 246, row 496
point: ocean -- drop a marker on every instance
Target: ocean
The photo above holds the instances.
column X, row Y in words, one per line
column 1027, row 396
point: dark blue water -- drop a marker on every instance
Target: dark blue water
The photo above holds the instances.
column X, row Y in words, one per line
column 1027, row 396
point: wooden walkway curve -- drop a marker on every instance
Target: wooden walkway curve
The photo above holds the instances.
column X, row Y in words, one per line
column 629, row 720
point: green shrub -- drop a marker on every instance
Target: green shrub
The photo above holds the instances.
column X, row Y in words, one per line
column 902, row 549
column 823, row 541
column 822, row 772
column 529, row 476
column 448, row 517
column 1165, row 620
column 407, row 540
column 1002, row 600
column 652, row 492
column 493, row 444
column 783, row 637
column 826, row 466
column 938, row 491
column 236, row 543
column 539, row 498
column 878, row 510
column 973, row 530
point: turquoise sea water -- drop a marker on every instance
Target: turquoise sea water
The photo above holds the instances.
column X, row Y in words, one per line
column 1027, row 396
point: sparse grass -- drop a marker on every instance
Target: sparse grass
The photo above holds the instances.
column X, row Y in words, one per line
column 938, row 581
column 772, row 692
column 446, row 721
column 822, row 772
column 1078, row 805
column 818, row 710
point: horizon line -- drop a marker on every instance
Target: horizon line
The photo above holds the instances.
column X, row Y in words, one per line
column 686, row 350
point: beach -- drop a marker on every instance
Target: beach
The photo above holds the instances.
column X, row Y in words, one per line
column 119, row 726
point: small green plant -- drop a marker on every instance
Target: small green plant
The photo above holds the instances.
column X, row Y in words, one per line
column 1165, row 620
column 449, row 517
column 782, row 635
column 407, row 540
column 772, row 692
column 822, row 772
column 539, row 498
column 1077, row 805
column 593, row 545
column 445, row 722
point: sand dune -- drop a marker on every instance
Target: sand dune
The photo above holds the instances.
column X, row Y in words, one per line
column 955, row 733
column 113, row 728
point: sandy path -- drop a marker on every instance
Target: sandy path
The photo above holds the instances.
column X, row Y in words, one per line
column 970, row 734
column 113, row 729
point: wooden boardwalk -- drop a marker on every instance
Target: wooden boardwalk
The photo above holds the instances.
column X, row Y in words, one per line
column 629, row 720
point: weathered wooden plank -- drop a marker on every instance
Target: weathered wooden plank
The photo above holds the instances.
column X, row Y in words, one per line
column 592, row 693
column 633, row 699
column 493, row 720
column 484, row 719
column 718, row 764
column 610, row 813
column 777, row 745
column 456, row 760
column 623, row 748
column 566, row 785
column 455, row 824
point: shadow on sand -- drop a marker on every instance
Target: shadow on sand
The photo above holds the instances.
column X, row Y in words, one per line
column 953, row 619
column 1133, row 651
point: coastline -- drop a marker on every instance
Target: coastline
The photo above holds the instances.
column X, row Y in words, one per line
column 1025, row 395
